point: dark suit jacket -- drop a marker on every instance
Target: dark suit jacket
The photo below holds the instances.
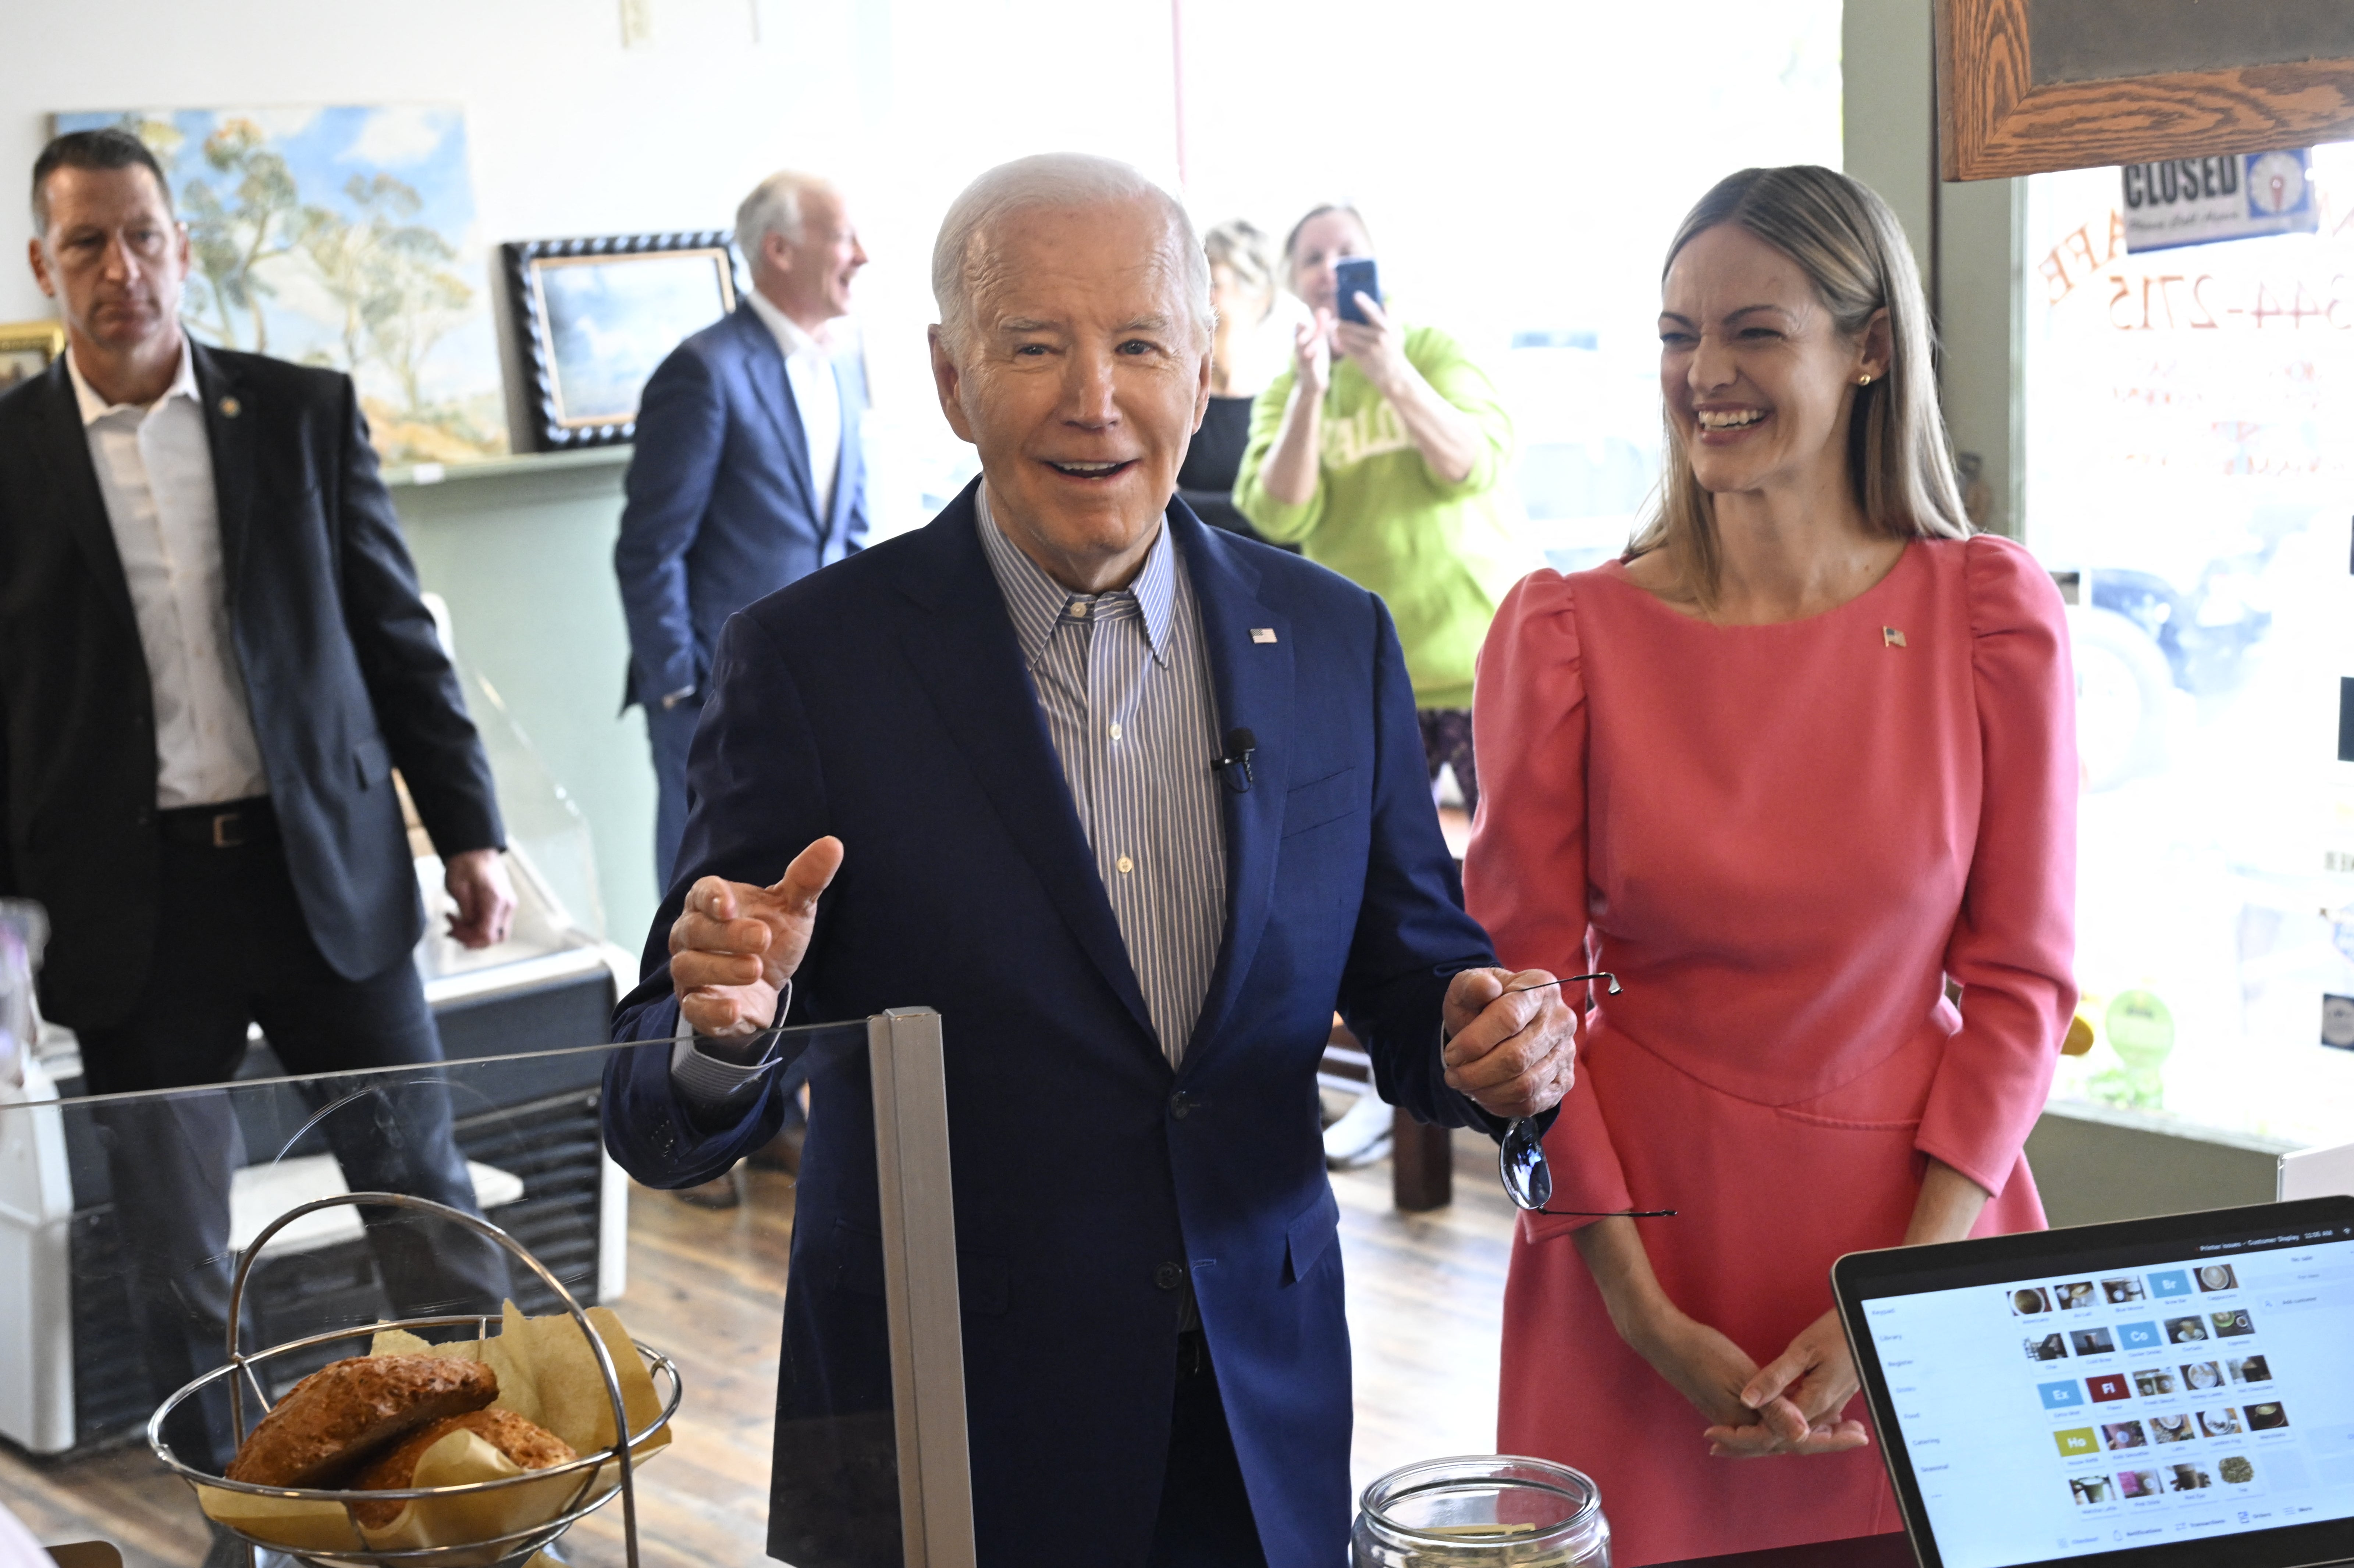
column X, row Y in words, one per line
column 722, row 509
column 341, row 669
column 885, row 701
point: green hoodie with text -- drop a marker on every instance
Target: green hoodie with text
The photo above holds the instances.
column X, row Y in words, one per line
column 1440, row 555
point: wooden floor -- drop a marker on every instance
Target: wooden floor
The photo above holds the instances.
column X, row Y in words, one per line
column 1425, row 1294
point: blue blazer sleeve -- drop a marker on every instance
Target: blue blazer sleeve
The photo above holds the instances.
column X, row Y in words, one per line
column 853, row 382
column 759, row 799
column 1412, row 935
column 682, row 435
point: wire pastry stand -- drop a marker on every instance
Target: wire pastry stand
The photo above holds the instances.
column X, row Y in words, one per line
column 508, row 1550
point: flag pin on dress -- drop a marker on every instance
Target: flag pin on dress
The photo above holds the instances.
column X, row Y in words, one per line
column 1262, row 633
column 1891, row 638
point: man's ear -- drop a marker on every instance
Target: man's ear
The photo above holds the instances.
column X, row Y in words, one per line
column 776, row 251
column 948, row 377
column 40, row 268
column 1202, row 391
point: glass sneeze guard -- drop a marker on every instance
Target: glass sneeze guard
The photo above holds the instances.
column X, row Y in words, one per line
column 121, row 1218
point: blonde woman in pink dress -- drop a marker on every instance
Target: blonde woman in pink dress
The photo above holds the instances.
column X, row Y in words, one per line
column 1800, row 769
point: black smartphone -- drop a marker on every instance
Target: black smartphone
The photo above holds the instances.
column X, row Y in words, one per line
column 1357, row 275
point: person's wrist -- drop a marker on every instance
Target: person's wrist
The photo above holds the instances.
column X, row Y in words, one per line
column 1645, row 1320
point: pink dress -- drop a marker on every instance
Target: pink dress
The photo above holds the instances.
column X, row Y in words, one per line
column 1784, row 840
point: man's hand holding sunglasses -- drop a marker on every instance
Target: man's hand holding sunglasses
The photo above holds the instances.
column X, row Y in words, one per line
column 1511, row 1042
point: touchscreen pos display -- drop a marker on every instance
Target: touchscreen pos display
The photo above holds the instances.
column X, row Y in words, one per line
column 2171, row 1391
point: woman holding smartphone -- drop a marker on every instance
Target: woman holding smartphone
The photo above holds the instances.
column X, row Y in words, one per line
column 1798, row 762
column 1383, row 452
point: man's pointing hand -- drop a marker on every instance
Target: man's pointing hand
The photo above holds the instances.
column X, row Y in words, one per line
column 733, row 945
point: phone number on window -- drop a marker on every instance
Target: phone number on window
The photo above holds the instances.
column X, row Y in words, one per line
column 2204, row 303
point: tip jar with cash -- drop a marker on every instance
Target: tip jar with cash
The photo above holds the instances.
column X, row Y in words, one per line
column 1481, row 1512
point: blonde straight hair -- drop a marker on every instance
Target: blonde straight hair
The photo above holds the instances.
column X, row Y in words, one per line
column 1899, row 459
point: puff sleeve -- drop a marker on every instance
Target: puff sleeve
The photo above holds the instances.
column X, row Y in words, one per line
column 2013, row 945
column 1524, row 875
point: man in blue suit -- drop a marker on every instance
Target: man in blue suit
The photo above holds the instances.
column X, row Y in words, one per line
column 995, row 767
column 748, row 473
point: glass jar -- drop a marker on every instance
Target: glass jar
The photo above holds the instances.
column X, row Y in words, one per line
column 1481, row 1510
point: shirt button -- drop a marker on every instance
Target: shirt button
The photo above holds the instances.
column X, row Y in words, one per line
column 1115, row 732
column 1125, row 864
column 1169, row 1275
column 1079, row 610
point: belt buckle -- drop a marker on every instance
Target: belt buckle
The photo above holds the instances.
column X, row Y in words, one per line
column 227, row 829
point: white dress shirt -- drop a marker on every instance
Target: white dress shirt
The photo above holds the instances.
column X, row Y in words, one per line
column 155, row 475
column 808, row 369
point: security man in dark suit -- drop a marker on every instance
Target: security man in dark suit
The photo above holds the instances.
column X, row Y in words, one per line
column 213, row 655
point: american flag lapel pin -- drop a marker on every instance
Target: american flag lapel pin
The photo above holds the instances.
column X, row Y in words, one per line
column 1262, row 633
column 1891, row 638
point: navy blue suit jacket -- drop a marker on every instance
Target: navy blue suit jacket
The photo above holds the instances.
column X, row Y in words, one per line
column 721, row 506
column 886, row 701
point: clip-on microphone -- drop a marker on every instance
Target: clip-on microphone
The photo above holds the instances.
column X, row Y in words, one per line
column 1236, row 763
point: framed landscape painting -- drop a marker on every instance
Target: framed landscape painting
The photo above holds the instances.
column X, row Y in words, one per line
column 594, row 317
column 342, row 237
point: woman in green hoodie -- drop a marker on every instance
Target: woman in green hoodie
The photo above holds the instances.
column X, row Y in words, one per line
column 1382, row 451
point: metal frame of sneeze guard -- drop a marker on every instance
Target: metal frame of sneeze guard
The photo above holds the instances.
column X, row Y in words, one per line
column 919, row 1287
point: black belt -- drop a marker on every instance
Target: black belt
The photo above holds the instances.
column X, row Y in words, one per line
column 230, row 825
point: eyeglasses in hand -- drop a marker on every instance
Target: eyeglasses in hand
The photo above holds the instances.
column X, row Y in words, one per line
column 1520, row 1161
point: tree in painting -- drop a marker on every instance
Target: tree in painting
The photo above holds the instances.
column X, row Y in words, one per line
column 341, row 237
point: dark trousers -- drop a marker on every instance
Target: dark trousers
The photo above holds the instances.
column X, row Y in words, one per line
column 1446, row 741
column 1205, row 1518
column 232, row 948
column 669, row 732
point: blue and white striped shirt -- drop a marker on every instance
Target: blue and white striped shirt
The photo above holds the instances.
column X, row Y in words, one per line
column 1123, row 681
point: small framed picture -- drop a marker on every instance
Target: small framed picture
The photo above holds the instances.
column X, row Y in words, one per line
column 594, row 317
column 26, row 348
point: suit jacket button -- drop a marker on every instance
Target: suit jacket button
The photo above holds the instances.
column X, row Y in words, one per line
column 1169, row 1275
column 1180, row 1105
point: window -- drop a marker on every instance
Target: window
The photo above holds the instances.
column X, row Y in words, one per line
column 1522, row 165
column 2189, row 424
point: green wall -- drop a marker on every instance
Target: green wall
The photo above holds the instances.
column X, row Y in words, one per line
column 521, row 549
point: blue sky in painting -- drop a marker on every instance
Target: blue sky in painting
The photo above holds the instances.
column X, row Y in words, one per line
column 424, row 146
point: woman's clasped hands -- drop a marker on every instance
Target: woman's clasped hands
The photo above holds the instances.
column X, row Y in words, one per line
column 1790, row 1406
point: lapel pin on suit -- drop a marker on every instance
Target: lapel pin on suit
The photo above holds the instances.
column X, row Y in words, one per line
column 1891, row 638
column 231, row 407
column 1262, row 633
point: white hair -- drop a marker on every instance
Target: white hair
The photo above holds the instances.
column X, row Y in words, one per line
column 773, row 208
column 1054, row 180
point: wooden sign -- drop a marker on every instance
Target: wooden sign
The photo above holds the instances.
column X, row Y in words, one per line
column 2026, row 86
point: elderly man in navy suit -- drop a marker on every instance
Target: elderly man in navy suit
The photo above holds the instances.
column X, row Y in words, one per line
column 747, row 472
column 994, row 766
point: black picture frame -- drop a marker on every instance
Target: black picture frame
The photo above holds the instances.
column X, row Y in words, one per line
column 578, row 394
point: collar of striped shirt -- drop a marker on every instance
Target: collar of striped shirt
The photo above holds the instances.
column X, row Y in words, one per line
column 1040, row 606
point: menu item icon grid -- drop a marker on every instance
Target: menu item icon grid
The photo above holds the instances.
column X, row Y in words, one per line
column 2155, row 1387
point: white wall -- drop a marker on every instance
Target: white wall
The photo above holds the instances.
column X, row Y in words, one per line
column 572, row 134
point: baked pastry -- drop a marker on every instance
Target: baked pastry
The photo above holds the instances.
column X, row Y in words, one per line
column 349, row 1411
column 531, row 1445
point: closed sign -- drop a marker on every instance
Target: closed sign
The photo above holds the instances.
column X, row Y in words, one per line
column 2195, row 201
